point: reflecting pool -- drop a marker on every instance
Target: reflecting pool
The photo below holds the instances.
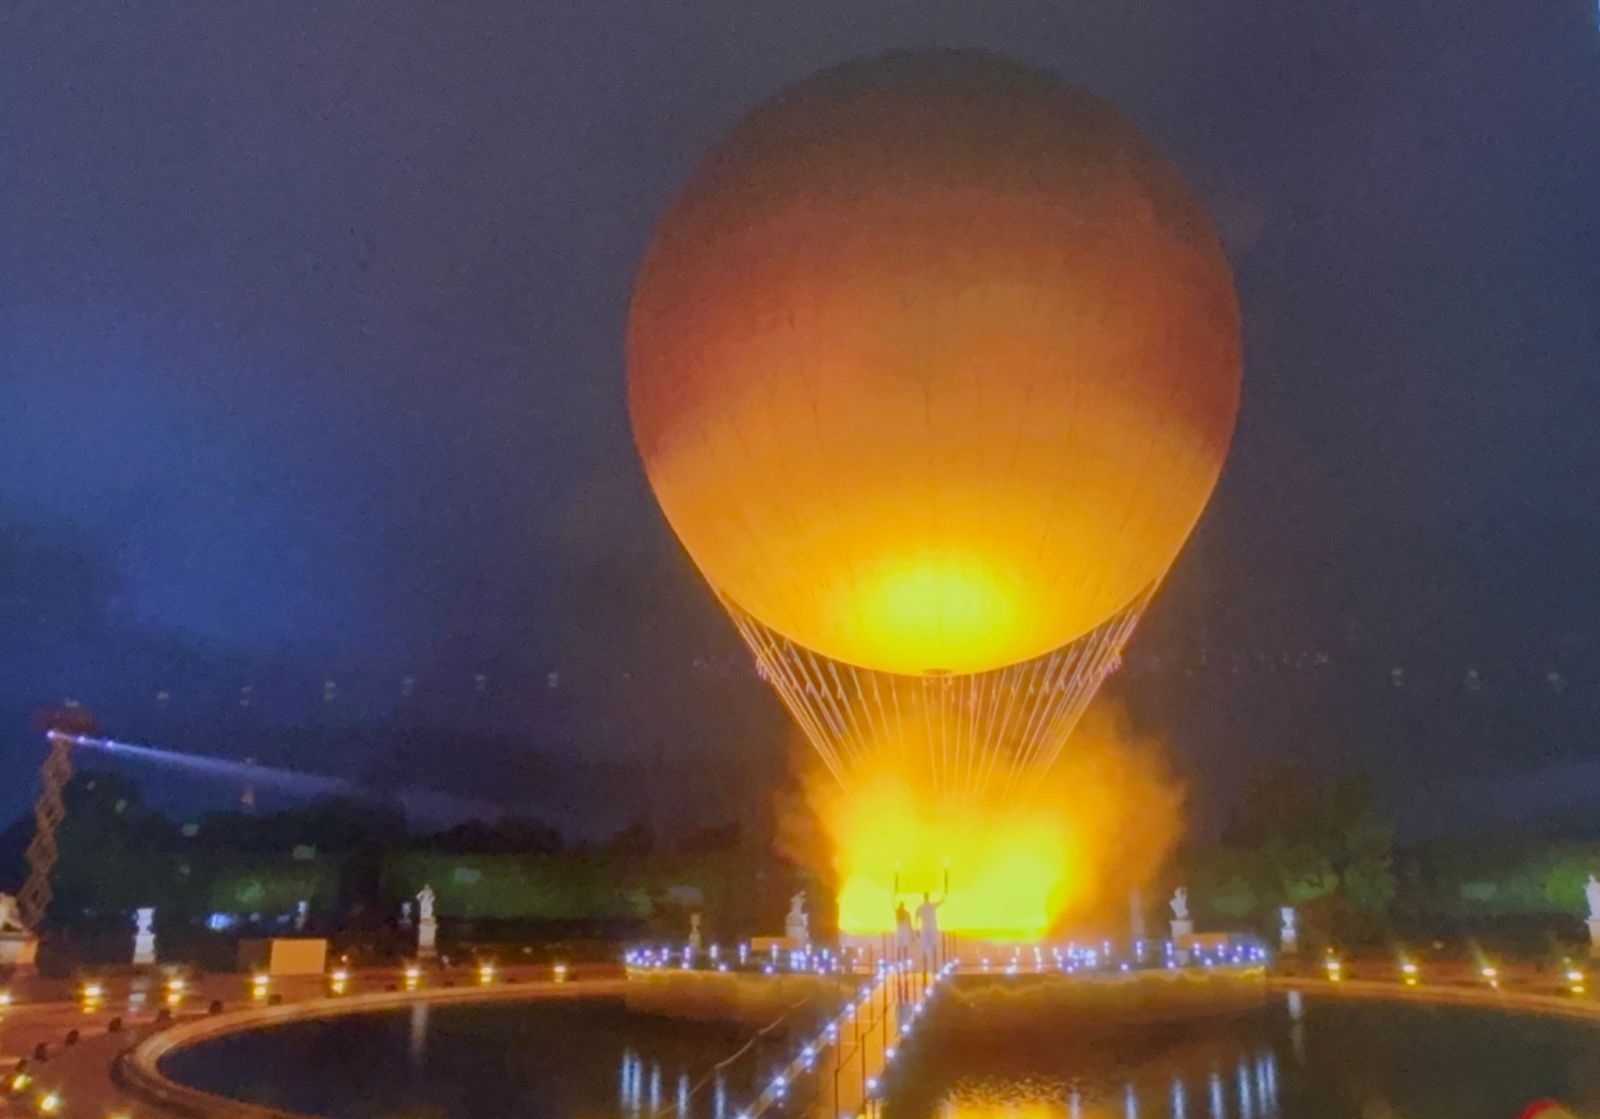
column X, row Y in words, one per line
column 1311, row 1059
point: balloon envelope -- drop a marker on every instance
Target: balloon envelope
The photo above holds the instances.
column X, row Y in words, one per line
column 934, row 363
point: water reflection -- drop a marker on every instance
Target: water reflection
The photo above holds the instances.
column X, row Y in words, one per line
column 1252, row 1082
column 511, row 1061
column 640, row 1090
column 417, row 1040
column 629, row 1096
column 1297, row 1026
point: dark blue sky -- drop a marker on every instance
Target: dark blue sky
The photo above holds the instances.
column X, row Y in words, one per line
column 310, row 350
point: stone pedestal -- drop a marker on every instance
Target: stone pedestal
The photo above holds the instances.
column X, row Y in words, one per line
column 1594, row 938
column 1182, row 934
column 427, row 938
column 18, row 950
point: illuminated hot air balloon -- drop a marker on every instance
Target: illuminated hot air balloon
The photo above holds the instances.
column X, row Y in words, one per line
column 933, row 366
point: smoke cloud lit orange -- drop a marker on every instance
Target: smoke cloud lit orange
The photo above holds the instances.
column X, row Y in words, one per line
column 1068, row 850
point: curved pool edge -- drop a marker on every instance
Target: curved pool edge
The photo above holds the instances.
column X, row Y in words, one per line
column 137, row 1070
column 1522, row 1002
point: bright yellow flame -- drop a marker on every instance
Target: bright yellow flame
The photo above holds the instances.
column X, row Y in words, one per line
column 1014, row 871
column 932, row 613
column 953, row 1110
column 1095, row 826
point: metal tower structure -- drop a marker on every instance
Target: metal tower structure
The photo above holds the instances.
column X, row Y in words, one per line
column 48, row 812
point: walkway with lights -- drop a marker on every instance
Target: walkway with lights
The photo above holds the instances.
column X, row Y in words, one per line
column 839, row 1072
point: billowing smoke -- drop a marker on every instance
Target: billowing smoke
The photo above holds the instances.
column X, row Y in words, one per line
column 1065, row 852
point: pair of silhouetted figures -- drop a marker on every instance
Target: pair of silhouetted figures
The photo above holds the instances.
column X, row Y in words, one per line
column 927, row 926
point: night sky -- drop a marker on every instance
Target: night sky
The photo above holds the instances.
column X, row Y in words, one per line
column 311, row 321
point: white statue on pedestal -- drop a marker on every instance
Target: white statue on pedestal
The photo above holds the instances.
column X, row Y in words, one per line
column 1182, row 926
column 302, row 913
column 427, row 926
column 11, row 916
column 144, row 936
column 1288, row 932
column 797, row 925
column 405, row 915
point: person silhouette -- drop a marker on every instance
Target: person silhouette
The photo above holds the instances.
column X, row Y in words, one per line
column 928, row 919
column 902, row 930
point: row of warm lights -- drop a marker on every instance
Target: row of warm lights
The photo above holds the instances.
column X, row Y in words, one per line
column 48, row 1101
column 1411, row 974
column 93, row 991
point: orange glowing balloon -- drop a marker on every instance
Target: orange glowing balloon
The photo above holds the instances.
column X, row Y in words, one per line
column 934, row 363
